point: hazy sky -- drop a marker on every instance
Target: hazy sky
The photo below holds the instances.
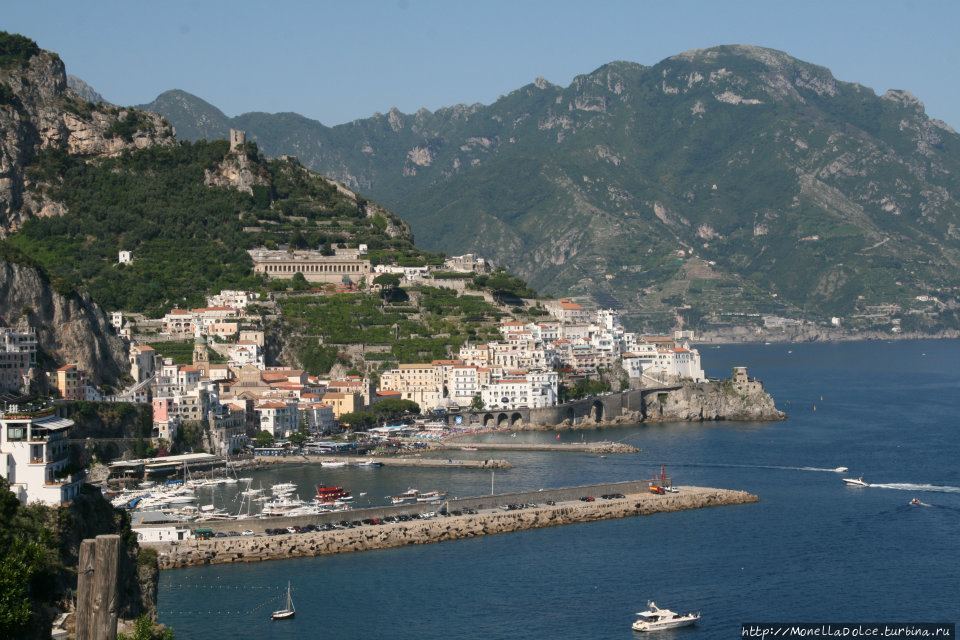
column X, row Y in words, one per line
column 337, row 61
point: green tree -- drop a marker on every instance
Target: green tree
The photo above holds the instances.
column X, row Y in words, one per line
column 359, row 420
column 263, row 439
column 146, row 629
column 393, row 408
column 477, row 403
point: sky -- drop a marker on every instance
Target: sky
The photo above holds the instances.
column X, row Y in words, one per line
column 339, row 61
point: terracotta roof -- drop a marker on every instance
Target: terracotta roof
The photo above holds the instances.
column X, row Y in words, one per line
column 67, row 367
column 271, row 405
column 204, row 309
column 450, row 362
column 189, row 368
column 145, row 347
column 179, row 312
column 388, row 392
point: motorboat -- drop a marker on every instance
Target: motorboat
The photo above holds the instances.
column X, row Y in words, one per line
column 288, row 611
column 657, row 619
column 916, row 503
column 841, row 470
column 283, row 488
column 281, row 506
column 856, row 482
column 333, row 465
column 331, row 494
column 370, row 464
column 407, row 497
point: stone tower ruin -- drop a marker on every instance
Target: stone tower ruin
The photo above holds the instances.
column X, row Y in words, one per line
column 237, row 139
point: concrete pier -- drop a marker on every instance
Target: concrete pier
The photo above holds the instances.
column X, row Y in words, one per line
column 582, row 447
column 491, row 518
column 262, row 462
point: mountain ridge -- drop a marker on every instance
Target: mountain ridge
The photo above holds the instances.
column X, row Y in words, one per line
column 729, row 178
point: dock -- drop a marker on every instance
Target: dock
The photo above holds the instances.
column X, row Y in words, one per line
column 581, row 447
column 492, row 516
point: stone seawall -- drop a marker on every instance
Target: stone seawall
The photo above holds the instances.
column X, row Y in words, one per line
column 385, row 536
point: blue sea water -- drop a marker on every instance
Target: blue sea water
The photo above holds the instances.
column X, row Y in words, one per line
column 811, row 550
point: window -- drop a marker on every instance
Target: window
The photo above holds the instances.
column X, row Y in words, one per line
column 16, row 433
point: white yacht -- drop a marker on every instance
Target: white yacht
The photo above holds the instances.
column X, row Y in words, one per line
column 333, row 464
column 657, row 619
column 856, row 482
column 283, row 487
column 281, row 506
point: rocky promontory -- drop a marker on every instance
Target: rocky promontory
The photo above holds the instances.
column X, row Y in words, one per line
column 714, row 400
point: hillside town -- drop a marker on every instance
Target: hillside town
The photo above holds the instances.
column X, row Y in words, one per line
column 225, row 386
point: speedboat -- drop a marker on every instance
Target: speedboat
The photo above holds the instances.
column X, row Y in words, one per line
column 841, row 470
column 657, row 619
column 856, row 482
column 288, row 611
column 916, row 503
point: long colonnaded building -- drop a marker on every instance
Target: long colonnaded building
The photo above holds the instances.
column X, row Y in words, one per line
column 346, row 264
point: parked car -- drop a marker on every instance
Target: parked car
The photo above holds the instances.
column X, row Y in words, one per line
column 588, row 499
column 247, row 532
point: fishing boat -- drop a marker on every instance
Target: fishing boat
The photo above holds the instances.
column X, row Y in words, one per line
column 856, row 482
column 657, row 619
column 288, row 611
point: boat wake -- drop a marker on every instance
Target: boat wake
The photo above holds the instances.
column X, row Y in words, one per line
column 721, row 465
column 906, row 486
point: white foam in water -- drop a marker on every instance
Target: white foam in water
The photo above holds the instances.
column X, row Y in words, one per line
column 754, row 466
column 906, row 486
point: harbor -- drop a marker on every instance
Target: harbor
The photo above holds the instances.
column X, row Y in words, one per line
column 366, row 529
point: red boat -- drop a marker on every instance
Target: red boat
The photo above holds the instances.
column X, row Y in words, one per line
column 332, row 494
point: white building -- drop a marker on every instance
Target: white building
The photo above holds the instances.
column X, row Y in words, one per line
column 125, row 257
column 664, row 362
column 34, row 455
column 279, row 417
column 318, row 416
column 237, row 300
column 163, row 534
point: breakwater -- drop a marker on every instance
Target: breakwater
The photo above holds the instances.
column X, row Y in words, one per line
column 263, row 462
column 582, row 447
column 491, row 518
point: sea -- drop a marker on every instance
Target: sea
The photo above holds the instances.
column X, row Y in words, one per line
column 812, row 550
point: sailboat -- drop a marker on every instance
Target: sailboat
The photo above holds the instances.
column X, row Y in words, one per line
column 288, row 611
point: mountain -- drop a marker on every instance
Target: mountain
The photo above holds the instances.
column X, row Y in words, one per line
column 39, row 114
column 717, row 184
column 84, row 91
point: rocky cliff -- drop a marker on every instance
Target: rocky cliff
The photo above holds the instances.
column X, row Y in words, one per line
column 70, row 328
column 719, row 400
column 38, row 112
